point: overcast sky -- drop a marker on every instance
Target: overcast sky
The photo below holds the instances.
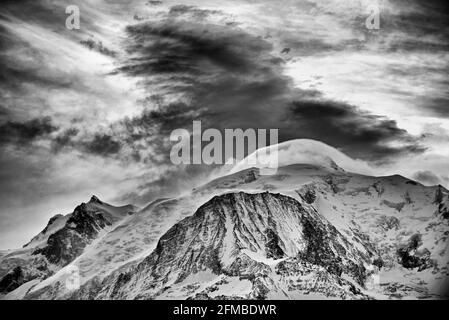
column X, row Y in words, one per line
column 90, row 111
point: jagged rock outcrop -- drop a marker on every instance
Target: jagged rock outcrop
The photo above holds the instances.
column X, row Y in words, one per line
column 410, row 257
column 379, row 188
column 94, row 199
column 439, row 195
column 12, row 280
column 388, row 223
column 441, row 199
column 59, row 243
column 67, row 243
column 308, row 193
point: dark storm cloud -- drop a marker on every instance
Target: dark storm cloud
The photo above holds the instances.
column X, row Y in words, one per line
column 412, row 26
column 3, row 111
column 426, row 19
column 193, row 48
column 44, row 12
column 98, row 46
column 154, row 2
column 102, row 144
column 26, row 132
column 232, row 80
column 438, row 106
column 427, row 177
column 306, row 47
column 344, row 125
column 193, row 11
column 405, row 26
column 31, row 75
column 64, row 139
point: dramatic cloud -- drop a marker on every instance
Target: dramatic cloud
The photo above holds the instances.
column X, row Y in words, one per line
column 103, row 145
column 305, row 151
column 25, row 132
column 91, row 110
column 343, row 125
column 230, row 78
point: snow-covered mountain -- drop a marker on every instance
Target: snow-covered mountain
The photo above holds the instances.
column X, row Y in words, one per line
column 63, row 239
column 308, row 231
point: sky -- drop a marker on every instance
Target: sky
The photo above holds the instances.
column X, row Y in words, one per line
column 90, row 110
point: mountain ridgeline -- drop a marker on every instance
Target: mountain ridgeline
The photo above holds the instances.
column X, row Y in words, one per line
column 306, row 232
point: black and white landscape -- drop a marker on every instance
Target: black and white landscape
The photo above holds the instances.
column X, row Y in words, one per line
column 93, row 207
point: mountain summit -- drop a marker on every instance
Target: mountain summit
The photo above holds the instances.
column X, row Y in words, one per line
column 63, row 239
column 307, row 231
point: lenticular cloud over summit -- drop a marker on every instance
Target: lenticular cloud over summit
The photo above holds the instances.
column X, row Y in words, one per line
column 304, row 151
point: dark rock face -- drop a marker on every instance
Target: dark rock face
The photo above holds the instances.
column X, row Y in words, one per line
column 216, row 236
column 442, row 200
column 439, row 195
column 188, row 247
column 444, row 210
column 323, row 282
column 94, row 199
column 319, row 251
column 67, row 243
column 378, row 262
column 272, row 245
column 308, row 194
column 60, row 242
column 379, row 188
column 332, row 183
column 411, row 258
column 251, row 176
column 24, row 271
column 407, row 198
column 12, row 280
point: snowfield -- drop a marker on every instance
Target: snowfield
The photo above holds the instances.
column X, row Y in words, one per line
column 307, row 232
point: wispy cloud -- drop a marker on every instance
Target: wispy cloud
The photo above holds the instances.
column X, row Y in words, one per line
column 91, row 110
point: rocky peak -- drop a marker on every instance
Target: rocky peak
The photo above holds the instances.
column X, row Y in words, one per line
column 94, row 199
column 82, row 226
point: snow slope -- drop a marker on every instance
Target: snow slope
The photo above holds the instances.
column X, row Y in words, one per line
column 397, row 228
column 58, row 244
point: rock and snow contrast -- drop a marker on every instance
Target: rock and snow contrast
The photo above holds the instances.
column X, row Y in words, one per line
column 310, row 231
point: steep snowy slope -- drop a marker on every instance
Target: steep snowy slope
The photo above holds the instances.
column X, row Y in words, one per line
column 59, row 243
column 396, row 228
column 254, row 238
